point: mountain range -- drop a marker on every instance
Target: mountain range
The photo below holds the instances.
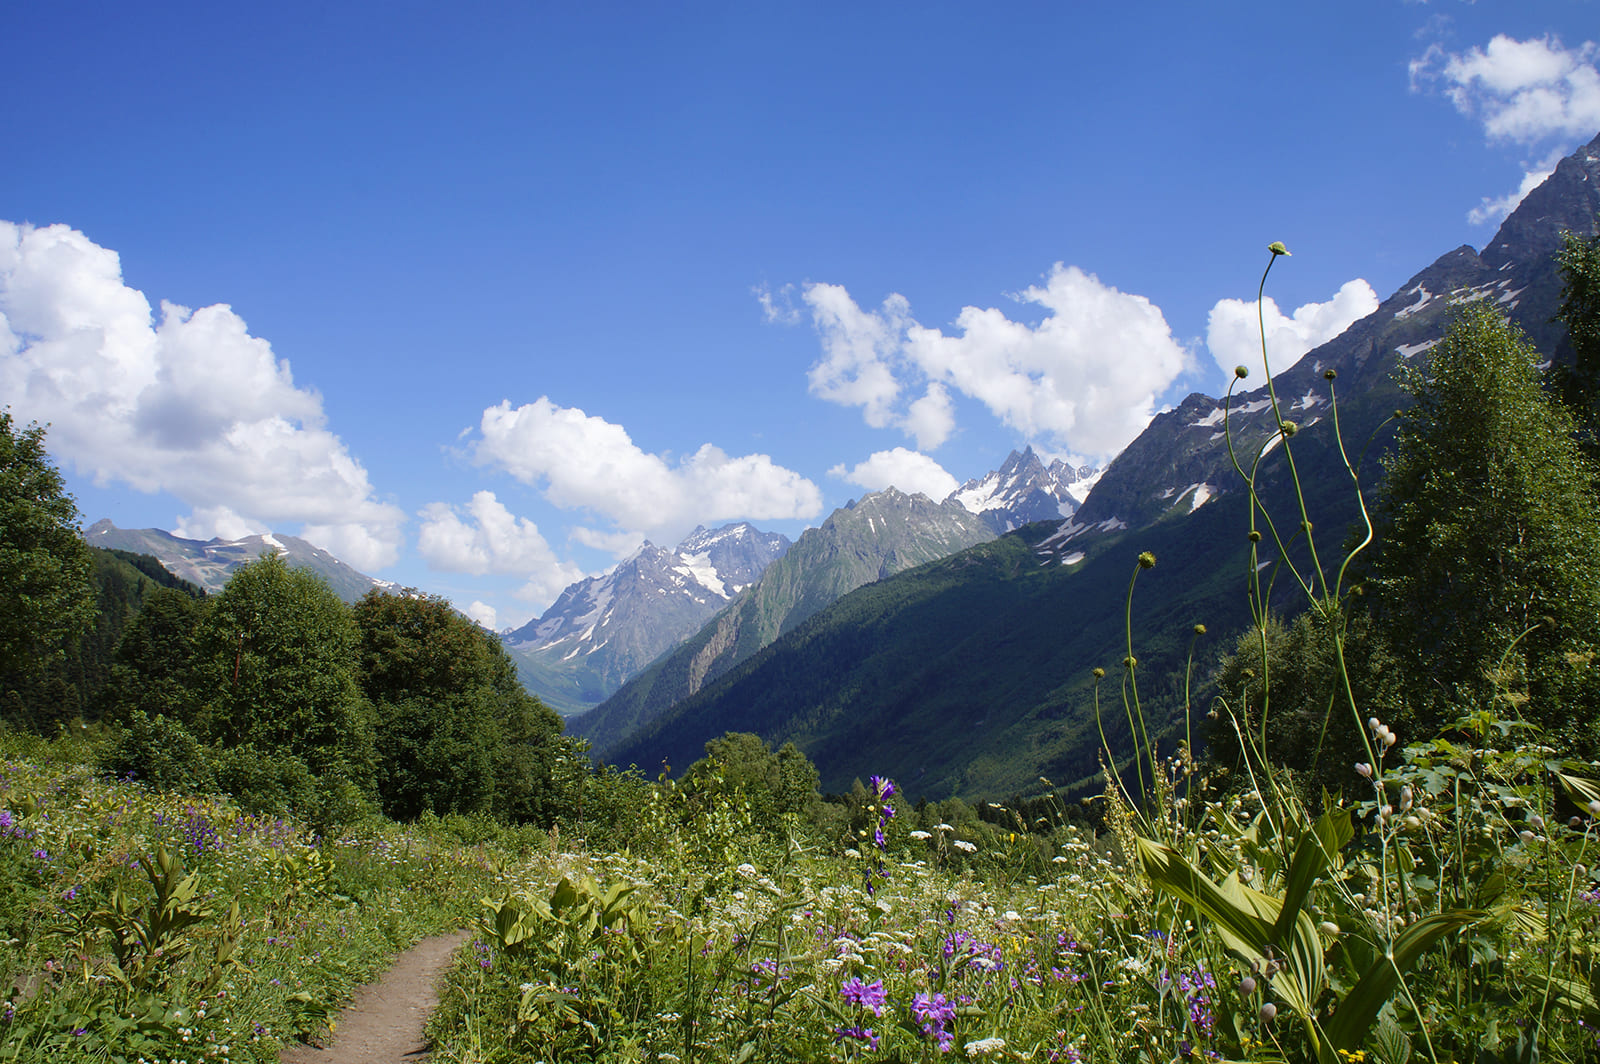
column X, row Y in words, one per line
column 971, row 674
column 603, row 630
column 949, row 643
column 209, row 563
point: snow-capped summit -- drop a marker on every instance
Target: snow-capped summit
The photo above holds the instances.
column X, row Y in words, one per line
column 604, row 629
column 1024, row 490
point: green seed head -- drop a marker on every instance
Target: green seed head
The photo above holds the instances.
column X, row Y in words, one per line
column 1288, row 428
column 1199, row 629
column 1241, row 372
column 1255, row 537
column 1130, row 661
column 1329, row 374
column 1277, row 248
column 1099, row 673
column 1147, row 560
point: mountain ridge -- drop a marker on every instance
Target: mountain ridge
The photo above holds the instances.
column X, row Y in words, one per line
column 971, row 675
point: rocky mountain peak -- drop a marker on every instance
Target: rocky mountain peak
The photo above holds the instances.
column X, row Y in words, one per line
column 1024, row 490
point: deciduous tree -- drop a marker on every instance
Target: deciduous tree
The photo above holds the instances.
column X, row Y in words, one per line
column 457, row 733
column 46, row 589
column 277, row 656
column 1489, row 573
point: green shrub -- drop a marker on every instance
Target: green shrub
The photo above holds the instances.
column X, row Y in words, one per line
column 160, row 753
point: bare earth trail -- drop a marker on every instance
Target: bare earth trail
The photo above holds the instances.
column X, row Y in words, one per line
column 383, row 1022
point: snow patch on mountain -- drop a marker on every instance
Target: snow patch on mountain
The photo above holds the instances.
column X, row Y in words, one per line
column 1407, row 350
column 699, row 568
column 1423, row 296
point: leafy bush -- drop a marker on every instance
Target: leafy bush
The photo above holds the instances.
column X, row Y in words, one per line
column 160, row 753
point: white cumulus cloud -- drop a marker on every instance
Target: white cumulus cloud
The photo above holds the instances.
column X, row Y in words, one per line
column 489, row 538
column 187, row 402
column 588, row 463
column 1233, row 332
column 1493, row 209
column 909, row 471
column 858, row 350
column 1524, row 92
column 618, row 544
column 1086, row 377
column 485, row 614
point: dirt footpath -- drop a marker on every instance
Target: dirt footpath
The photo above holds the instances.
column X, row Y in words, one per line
column 383, row 1023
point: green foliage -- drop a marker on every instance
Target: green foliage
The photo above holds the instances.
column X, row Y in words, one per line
column 155, row 667
column 774, row 784
column 456, row 731
column 1579, row 260
column 82, row 682
column 277, row 667
column 159, row 752
column 280, row 783
column 1296, row 671
column 168, row 925
column 1488, row 581
column 46, row 595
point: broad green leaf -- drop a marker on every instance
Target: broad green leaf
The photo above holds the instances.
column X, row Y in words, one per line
column 1247, row 920
column 1359, row 1010
column 1314, row 854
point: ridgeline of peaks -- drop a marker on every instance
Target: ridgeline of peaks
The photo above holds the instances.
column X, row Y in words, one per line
column 209, row 563
column 862, row 542
column 604, row 629
column 971, row 675
column 1024, row 490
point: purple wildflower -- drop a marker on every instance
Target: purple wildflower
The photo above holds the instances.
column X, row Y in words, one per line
column 933, row 1012
column 864, row 995
column 859, row 1034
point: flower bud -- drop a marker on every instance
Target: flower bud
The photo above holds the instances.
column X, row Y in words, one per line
column 1328, row 927
column 1199, row 629
column 1099, row 673
column 1247, row 985
column 1277, row 248
column 1255, row 537
column 1364, row 770
column 1241, row 372
column 1147, row 560
column 1329, row 374
column 1269, row 1012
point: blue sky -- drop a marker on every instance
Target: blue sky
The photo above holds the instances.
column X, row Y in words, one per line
column 479, row 295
